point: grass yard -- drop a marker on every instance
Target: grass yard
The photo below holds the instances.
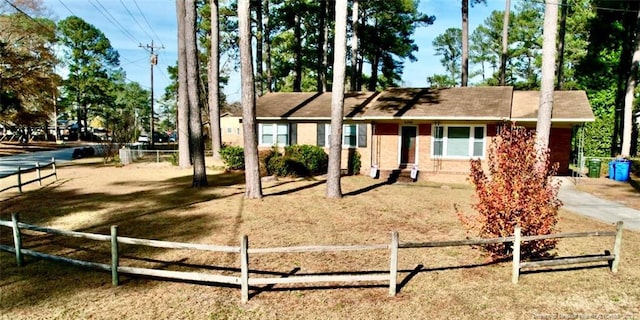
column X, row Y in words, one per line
column 155, row 201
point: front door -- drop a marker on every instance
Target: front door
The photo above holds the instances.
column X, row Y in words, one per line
column 408, row 145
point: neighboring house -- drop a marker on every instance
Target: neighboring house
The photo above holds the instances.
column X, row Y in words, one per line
column 231, row 129
column 435, row 131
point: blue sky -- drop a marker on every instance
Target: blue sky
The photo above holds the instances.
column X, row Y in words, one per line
column 130, row 23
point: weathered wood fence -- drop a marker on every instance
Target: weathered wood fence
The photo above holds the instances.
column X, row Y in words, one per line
column 39, row 177
column 244, row 281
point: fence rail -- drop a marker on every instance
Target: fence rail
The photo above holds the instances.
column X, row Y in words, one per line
column 39, row 177
column 244, row 281
column 614, row 258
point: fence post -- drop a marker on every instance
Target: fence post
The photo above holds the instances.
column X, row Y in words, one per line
column 616, row 247
column 244, row 268
column 115, row 260
column 157, row 156
column 515, row 272
column 38, row 173
column 53, row 165
column 19, row 181
column 393, row 264
column 17, row 239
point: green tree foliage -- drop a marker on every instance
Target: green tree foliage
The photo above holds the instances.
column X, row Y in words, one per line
column 92, row 63
column 297, row 34
column 603, row 71
column 526, row 43
column 28, row 83
column 441, row 81
column 483, row 52
column 579, row 15
column 386, row 38
column 130, row 111
column 449, row 46
column 486, row 47
column 514, row 191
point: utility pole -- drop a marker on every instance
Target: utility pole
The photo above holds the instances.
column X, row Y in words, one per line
column 153, row 61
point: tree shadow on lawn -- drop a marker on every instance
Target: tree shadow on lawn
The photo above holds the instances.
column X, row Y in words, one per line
column 140, row 214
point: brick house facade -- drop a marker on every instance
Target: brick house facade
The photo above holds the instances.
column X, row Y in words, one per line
column 435, row 131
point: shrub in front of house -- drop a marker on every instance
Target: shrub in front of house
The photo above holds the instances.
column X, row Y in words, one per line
column 355, row 163
column 232, row 157
column 285, row 166
column 314, row 159
column 264, row 156
column 516, row 190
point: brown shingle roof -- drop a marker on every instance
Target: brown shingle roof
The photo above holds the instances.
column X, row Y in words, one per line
column 468, row 103
column 451, row 103
column 568, row 106
column 308, row 105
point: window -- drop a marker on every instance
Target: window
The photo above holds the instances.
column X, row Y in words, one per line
column 282, row 134
column 229, row 130
column 353, row 135
column 455, row 141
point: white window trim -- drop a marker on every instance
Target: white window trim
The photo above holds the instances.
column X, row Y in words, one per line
column 471, row 141
column 274, row 134
column 327, row 134
column 416, row 156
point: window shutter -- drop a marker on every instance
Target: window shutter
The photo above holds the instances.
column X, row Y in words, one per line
column 293, row 134
column 362, row 136
column 320, row 134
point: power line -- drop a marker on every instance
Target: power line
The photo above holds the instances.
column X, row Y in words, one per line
column 134, row 19
column 594, row 7
column 113, row 20
column 65, row 6
column 147, row 21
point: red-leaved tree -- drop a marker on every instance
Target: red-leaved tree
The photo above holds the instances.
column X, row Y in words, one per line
column 516, row 190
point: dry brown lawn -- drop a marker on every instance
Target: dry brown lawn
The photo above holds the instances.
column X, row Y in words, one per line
column 622, row 192
column 155, row 201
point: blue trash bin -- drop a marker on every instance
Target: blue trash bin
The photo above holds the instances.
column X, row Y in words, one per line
column 622, row 170
column 612, row 170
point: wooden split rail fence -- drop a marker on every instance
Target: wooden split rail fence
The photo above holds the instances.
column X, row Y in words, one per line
column 244, row 281
column 39, row 177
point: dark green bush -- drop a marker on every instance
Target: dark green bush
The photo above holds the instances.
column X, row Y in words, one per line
column 285, row 166
column 313, row 158
column 354, row 163
column 233, row 157
column 264, row 156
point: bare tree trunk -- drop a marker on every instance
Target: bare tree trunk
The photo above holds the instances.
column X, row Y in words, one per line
column 373, row 80
column 321, row 75
column 627, row 119
column 252, row 173
column 465, row 44
column 193, row 86
column 337, row 101
column 259, row 37
column 184, row 151
column 359, row 78
column 267, row 45
column 214, row 83
column 505, row 43
column 561, row 35
column 354, row 45
column 325, row 49
column 297, row 53
column 543, row 127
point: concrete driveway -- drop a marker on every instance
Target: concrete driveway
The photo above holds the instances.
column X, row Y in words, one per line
column 591, row 206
